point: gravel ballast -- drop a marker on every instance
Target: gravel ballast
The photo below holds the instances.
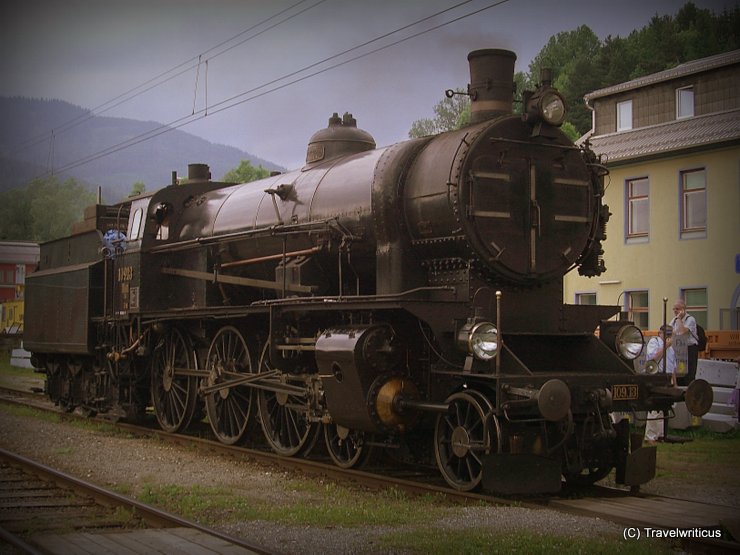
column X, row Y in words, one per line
column 132, row 464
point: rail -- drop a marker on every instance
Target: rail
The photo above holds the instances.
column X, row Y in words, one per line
column 153, row 517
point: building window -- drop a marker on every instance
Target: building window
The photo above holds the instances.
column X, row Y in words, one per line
column 624, row 115
column 696, row 304
column 586, row 298
column 684, row 102
column 694, row 203
column 637, row 308
column 638, row 208
column 729, row 318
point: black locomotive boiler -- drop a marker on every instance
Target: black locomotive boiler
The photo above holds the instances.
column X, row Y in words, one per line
column 406, row 297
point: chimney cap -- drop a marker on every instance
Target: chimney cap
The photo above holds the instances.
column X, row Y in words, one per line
column 491, row 52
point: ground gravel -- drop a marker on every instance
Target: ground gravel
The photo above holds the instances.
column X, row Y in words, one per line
column 132, row 464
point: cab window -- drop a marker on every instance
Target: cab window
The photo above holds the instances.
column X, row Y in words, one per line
column 134, row 231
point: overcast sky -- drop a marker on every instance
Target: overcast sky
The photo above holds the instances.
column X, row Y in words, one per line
column 88, row 52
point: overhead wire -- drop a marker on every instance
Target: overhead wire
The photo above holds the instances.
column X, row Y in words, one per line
column 238, row 99
column 355, row 58
column 164, row 77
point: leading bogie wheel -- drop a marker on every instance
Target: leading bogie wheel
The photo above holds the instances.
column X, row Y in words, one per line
column 347, row 448
column 588, row 476
column 174, row 392
column 228, row 408
column 461, row 437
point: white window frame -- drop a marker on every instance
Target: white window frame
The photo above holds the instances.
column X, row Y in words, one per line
column 688, row 200
column 580, row 297
column 699, row 311
column 641, row 310
column 633, row 200
column 624, row 115
column 684, row 102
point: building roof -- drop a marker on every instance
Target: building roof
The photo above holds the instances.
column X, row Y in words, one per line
column 19, row 252
column 674, row 136
column 682, row 70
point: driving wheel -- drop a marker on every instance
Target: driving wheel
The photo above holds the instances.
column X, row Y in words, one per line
column 228, row 407
column 284, row 414
column 174, row 391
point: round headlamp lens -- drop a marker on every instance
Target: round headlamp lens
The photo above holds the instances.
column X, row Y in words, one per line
column 629, row 342
column 553, row 108
column 483, row 341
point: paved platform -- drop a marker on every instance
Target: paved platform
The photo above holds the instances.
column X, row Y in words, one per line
column 168, row 541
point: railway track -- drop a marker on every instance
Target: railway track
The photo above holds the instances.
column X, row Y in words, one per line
column 641, row 510
column 43, row 510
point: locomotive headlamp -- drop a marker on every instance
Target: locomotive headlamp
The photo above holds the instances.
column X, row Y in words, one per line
column 479, row 339
column 629, row 342
column 624, row 338
column 552, row 108
column 545, row 105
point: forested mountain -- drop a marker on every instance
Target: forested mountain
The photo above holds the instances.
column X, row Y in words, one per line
column 27, row 150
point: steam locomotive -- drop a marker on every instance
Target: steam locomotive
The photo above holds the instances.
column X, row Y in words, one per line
column 406, row 298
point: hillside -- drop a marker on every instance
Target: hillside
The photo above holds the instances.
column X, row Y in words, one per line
column 28, row 121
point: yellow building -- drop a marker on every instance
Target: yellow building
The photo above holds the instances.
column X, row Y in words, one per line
column 671, row 141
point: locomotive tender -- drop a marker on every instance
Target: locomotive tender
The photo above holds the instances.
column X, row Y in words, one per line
column 406, row 297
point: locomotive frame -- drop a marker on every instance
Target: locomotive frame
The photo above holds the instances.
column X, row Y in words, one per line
column 406, row 297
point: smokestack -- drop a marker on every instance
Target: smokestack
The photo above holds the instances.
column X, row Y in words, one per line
column 491, row 83
column 198, row 172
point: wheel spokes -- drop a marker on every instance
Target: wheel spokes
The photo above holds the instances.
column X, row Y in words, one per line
column 228, row 408
column 347, row 448
column 174, row 396
column 284, row 417
column 286, row 427
column 461, row 438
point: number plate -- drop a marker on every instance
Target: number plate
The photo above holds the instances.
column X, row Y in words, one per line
column 627, row 392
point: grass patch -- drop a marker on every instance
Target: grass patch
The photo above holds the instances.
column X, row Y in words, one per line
column 18, row 410
column 19, row 378
column 64, row 451
column 123, row 489
column 337, row 506
column 203, row 504
column 702, row 459
column 341, row 506
column 126, row 517
column 96, row 426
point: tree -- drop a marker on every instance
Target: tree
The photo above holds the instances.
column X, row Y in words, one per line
column 615, row 61
column 43, row 210
column 571, row 57
column 137, row 188
column 451, row 113
column 245, row 173
column 570, row 131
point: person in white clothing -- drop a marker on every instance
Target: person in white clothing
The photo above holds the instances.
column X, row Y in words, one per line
column 664, row 358
column 683, row 322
